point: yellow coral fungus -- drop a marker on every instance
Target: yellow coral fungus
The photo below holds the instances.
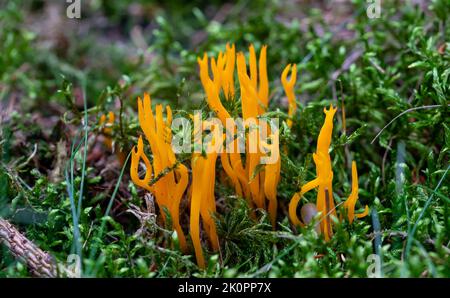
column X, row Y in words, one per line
column 164, row 177
column 349, row 204
column 203, row 200
column 289, row 90
column 255, row 185
column 251, row 109
column 323, row 181
column 231, row 162
column 271, row 180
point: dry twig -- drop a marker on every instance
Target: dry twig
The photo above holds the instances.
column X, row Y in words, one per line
column 40, row 263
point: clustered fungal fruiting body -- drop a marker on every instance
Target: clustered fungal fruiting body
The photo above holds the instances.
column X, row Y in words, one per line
column 203, row 201
column 168, row 180
column 289, row 90
column 172, row 177
column 324, row 182
column 258, row 187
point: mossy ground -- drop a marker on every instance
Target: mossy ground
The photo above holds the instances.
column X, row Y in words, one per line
column 376, row 68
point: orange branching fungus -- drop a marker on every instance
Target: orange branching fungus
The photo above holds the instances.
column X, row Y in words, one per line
column 289, row 90
column 166, row 179
column 349, row 204
column 324, row 180
column 203, row 202
column 231, row 162
column 272, row 178
column 256, row 186
column 252, row 107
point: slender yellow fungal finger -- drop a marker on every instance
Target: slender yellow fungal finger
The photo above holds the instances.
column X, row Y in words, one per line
column 179, row 191
column 196, row 198
column 217, row 80
column 270, row 189
column 211, row 200
column 229, row 71
column 136, row 155
column 263, row 91
column 212, row 97
column 364, row 213
column 293, row 210
column 253, row 67
column 350, row 203
column 168, row 116
column 309, row 186
column 324, row 139
column 289, row 90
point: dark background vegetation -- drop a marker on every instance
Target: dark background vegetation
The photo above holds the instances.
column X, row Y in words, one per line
column 56, row 73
